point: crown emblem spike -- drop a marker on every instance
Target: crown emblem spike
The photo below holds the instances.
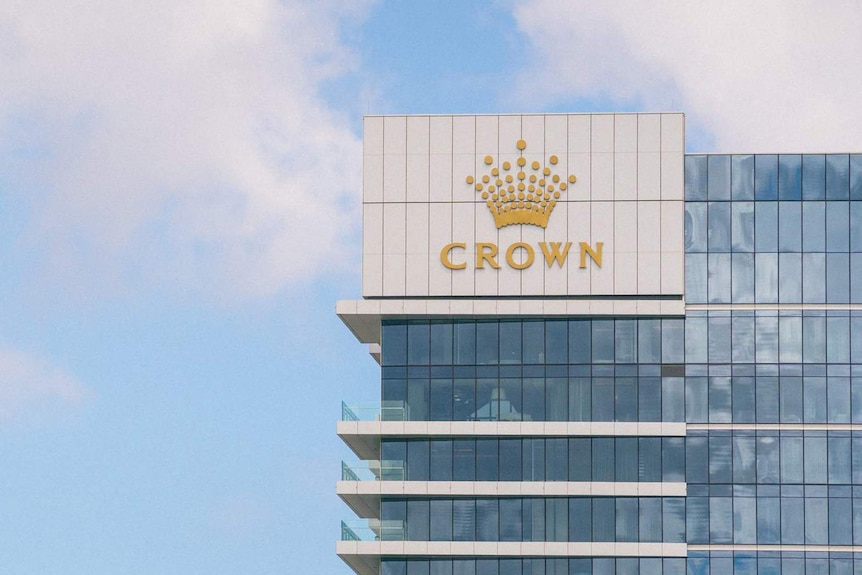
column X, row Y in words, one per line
column 521, row 194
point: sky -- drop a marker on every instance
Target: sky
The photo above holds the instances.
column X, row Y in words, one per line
column 180, row 185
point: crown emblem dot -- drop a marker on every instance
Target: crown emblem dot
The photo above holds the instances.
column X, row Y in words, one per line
column 530, row 200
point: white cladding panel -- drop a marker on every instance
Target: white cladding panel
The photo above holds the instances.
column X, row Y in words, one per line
column 627, row 205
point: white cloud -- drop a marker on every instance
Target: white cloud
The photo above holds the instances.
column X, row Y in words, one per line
column 758, row 76
column 184, row 144
column 31, row 388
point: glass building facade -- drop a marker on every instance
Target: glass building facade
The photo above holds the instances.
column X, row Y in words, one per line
column 734, row 431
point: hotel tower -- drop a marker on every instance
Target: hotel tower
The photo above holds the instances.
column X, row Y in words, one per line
column 602, row 355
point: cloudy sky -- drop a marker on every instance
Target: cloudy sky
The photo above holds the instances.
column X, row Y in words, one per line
column 179, row 188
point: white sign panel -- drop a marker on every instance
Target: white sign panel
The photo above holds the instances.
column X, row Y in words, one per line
column 523, row 205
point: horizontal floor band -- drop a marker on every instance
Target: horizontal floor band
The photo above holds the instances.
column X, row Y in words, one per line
column 780, row 548
column 363, row 497
column 777, row 426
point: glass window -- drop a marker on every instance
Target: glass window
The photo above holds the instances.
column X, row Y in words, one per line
column 814, row 339
column 649, row 519
column 510, row 520
column 837, row 177
column 697, row 520
column 394, row 344
column 814, row 398
column 743, row 459
column 742, row 283
column 816, row 524
column 604, row 519
column 510, row 342
column 742, row 177
column 791, row 460
column 742, row 226
column 719, row 339
column 603, row 399
column 672, row 340
column 696, row 278
column 766, row 226
column 673, row 459
column 649, row 399
column 441, row 460
column 603, row 460
column 556, row 341
column 837, row 278
column 743, row 400
column 720, row 459
column 744, row 520
column 556, row 459
column 720, row 520
column 418, row 520
column 768, row 459
column 695, row 177
column 766, row 278
column 815, row 460
column 580, row 403
column 838, row 230
column 791, row 399
column 718, row 177
column 464, row 459
column 626, row 459
column 673, row 519
column 790, row 177
column 580, row 340
column 417, row 460
column 534, row 342
column 718, row 281
column 766, row 177
column 792, row 529
column 813, row 226
column 580, row 519
column 766, row 339
column 719, row 400
column 625, row 336
column 627, row 519
column 695, row 226
column 649, row 341
column 839, row 460
column 696, row 400
column 838, row 394
column 441, row 400
column 418, row 342
column 790, row 339
column 487, row 460
column 790, row 278
column 768, row 520
column 487, row 343
column 441, row 343
column 647, row 459
column 789, row 226
column 813, row 177
column 465, row 343
column 580, row 459
column 441, row 520
column 814, row 278
column 464, row 520
column 487, row 520
column 603, row 341
column 718, row 227
column 626, row 399
column 673, row 399
column 510, row 459
column 766, row 390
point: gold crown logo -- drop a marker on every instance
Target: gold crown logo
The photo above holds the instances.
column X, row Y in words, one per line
column 521, row 198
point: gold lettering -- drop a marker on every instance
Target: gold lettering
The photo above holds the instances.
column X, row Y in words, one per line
column 595, row 255
column 553, row 254
column 444, row 256
column 531, row 255
column 482, row 255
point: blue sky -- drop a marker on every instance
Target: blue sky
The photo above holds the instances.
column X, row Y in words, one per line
column 179, row 212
